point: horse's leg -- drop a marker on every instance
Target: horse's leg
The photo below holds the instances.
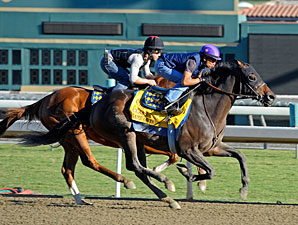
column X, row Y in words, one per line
column 89, row 160
column 173, row 158
column 132, row 155
column 202, row 184
column 195, row 157
column 225, row 150
column 68, row 169
column 131, row 145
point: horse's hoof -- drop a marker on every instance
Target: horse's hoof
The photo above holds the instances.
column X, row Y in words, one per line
column 175, row 205
column 162, row 167
column 172, row 203
column 243, row 193
column 83, row 202
column 170, row 186
column 202, row 185
column 182, row 169
column 129, row 185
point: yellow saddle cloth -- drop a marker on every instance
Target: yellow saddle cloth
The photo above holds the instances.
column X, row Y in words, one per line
column 142, row 114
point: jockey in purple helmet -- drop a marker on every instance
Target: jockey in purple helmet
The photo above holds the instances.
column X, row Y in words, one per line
column 185, row 69
column 210, row 54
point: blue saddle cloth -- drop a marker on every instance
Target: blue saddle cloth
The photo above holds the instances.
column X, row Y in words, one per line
column 153, row 98
column 98, row 93
column 96, row 96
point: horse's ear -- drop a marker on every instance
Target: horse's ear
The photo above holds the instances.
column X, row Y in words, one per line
column 239, row 63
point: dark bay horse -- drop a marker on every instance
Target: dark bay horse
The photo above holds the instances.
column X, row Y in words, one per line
column 61, row 104
column 201, row 134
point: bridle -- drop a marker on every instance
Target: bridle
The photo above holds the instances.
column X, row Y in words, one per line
column 240, row 96
column 254, row 89
column 246, row 82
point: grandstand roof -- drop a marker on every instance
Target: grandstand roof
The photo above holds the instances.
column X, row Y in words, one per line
column 271, row 12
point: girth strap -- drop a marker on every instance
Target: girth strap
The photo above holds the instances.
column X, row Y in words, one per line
column 171, row 138
column 215, row 135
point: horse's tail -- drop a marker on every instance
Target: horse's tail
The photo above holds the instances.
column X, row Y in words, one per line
column 59, row 130
column 10, row 116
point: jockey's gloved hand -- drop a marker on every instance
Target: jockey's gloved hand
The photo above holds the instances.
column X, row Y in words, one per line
column 204, row 72
column 202, row 80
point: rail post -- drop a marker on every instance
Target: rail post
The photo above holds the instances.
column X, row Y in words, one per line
column 294, row 119
column 189, row 193
column 111, row 83
column 119, row 165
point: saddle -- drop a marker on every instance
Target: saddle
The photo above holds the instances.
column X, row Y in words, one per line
column 153, row 98
column 100, row 91
column 147, row 107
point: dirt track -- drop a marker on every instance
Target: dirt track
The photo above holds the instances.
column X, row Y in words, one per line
column 24, row 210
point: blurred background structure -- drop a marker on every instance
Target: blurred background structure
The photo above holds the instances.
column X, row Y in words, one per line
column 45, row 45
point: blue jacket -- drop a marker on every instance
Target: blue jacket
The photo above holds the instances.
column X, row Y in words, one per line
column 178, row 61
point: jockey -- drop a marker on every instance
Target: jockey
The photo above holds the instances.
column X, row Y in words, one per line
column 116, row 62
column 185, row 69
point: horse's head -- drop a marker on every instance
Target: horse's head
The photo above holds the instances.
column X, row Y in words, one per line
column 254, row 85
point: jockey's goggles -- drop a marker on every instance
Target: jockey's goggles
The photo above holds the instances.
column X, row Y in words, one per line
column 211, row 59
column 155, row 51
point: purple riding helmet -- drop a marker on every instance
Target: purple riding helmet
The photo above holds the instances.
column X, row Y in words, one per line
column 211, row 51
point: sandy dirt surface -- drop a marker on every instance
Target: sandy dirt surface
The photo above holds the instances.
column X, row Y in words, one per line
column 26, row 210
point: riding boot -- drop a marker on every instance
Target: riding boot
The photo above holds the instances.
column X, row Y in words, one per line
column 107, row 58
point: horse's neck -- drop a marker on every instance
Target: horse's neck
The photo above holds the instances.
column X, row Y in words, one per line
column 218, row 105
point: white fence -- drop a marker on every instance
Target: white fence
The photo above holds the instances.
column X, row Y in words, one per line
column 15, row 103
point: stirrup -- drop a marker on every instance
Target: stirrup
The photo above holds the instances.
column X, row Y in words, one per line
column 175, row 112
column 172, row 110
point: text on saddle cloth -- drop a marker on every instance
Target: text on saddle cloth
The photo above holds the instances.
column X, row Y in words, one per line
column 140, row 113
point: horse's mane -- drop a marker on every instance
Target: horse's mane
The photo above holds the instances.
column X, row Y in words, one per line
column 222, row 69
column 218, row 75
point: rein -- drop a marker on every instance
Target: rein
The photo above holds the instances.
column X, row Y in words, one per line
column 256, row 95
column 233, row 94
column 188, row 92
column 239, row 96
column 215, row 135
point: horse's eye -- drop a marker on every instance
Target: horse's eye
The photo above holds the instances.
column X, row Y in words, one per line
column 252, row 77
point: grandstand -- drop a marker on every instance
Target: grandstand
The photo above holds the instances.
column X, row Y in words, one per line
column 45, row 45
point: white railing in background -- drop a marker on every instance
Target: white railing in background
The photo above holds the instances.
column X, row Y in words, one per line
column 15, row 103
column 235, row 110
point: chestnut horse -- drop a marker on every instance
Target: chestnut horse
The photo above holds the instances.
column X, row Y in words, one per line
column 201, row 134
column 63, row 103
